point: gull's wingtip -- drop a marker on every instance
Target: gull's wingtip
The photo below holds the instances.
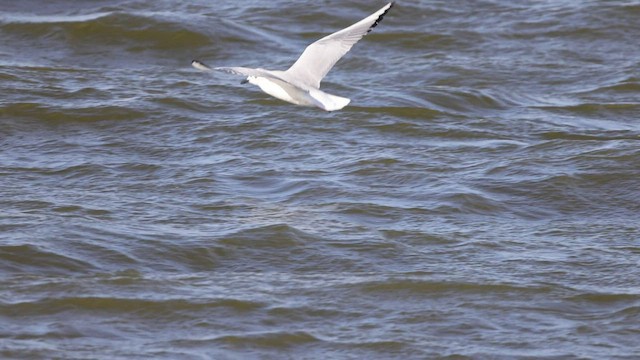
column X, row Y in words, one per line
column 384, row 11
column 200, row 65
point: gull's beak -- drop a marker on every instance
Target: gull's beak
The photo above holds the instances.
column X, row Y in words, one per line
column 244, row 81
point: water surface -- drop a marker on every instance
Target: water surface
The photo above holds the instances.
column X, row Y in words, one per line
column 479, row 198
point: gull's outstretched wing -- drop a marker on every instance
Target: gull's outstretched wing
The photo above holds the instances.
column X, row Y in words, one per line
column 237, row 70
column 319, row 57
column 244, row 71
column 276, row 75
column 232, row 70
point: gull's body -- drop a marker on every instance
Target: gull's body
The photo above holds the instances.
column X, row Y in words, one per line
column 300, row 84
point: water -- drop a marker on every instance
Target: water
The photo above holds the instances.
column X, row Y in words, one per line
column 478, row 199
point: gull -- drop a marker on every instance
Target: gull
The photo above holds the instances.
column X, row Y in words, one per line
column 300, row 84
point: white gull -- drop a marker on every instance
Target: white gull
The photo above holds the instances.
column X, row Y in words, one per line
column 300, row 84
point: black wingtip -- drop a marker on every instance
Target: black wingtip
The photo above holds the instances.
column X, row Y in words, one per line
column 375, row 23
column 200, row 65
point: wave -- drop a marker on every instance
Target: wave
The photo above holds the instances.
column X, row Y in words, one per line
column 21, row 18
column 53, row 114
column 143, row 308
column 569, row 192
column 609, row 116
column 626, row 85
column 408, row 112
column 607, row 298
column 278, row 339
column 137, row 32
column 30, row 258
column 585, row 135
column 417, row 287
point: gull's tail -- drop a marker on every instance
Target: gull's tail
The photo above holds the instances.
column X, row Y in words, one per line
column 327, row 101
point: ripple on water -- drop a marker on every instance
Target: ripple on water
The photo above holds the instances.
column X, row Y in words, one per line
column 107, row 29
column 56, row 115
column 31, row 258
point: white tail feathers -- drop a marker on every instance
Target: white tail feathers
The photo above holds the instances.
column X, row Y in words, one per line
column 327, row 101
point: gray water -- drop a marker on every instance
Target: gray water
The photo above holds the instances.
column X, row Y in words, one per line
column 478, row 199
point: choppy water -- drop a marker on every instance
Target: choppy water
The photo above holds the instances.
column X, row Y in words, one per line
column 478, row 199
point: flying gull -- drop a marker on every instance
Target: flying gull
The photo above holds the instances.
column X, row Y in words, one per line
column 300, row 84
